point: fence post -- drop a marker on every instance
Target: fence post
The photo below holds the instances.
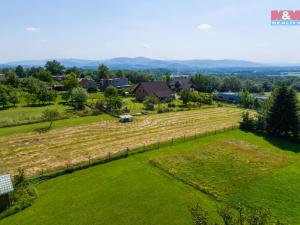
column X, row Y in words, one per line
column 144, row 148
column 127, row 152
column 108, row 156
column 215, row 131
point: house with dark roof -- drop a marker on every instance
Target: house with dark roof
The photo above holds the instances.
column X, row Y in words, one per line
column 158, row 89
column 120, row 82
column 179, row 83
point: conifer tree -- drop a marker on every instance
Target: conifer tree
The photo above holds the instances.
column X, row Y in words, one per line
column 282, row 118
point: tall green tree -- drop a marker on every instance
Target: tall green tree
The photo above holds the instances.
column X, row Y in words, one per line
column 50, row 115
column 54, row 67
column 4, row 99
column 20, row 72
column 119, row 73
column 73, row 69
column 13, row 97
column 246, row 100
column 185, row 96
column 79, row 97
column 103, row 72
column 71, row 81
column 110, row 91
column 44, row 75
column 282, row 118
column 231, row 84
column 12, row 79
column 206, row 83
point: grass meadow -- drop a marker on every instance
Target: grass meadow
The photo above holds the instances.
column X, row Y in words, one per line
column 36, row 152
column 159, row 186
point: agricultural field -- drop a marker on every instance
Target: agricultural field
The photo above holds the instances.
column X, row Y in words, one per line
column 37, row 152
column 150, row 188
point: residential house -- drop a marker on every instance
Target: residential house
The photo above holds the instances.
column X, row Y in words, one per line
column 58, row 87
column 59, row 77
column 2, row 77
column 158, row 89
column 230, row 97
column 235, row 98
column 87, row 83
column 6, row 187
column 121, row 82
column 179, row 83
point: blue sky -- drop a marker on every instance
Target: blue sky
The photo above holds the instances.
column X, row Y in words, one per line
column 165, row 29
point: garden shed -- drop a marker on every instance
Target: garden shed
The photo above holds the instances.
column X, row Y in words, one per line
column 126, row 118
column 6, row 187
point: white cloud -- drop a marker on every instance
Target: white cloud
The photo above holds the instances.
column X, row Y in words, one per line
column 204, row 26
column 32, row 29
column 146, row 46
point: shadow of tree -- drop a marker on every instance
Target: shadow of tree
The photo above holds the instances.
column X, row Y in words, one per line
column 284, row 143
column 42, row 129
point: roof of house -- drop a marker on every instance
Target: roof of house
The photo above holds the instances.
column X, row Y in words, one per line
column 6, row 185
column 86, row 80
column 157, row 88
column 116, row 82
column 184, row 82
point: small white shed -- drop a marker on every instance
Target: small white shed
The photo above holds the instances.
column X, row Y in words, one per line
column 126, row 118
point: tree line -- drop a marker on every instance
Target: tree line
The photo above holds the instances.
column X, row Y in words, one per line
column 279, row 115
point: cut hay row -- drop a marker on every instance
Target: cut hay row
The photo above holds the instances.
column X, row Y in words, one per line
column 36, row 152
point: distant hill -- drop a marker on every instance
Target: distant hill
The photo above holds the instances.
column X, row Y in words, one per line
column 141, row 63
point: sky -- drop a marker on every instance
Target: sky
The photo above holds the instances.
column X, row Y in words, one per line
column 162, row 29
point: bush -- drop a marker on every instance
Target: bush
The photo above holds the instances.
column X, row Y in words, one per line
column 164, row 110
column 259, row 216
column 92, row 89
column 171, row 105
column 247, row 122
column 79, row 97
column 149, row 102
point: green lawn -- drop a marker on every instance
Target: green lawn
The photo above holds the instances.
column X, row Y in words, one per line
column 222, row 167
column 76, row 121
column 133, row 191
column 25, row 114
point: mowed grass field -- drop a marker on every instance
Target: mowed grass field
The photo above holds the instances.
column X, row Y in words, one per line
column 149, row 188
column 43, row 151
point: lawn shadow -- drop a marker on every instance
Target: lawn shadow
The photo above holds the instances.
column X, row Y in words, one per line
column 284, row 143
column 37, row 105
column 42, row 129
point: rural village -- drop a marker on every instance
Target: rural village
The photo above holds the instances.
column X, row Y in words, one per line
column 149, row 112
